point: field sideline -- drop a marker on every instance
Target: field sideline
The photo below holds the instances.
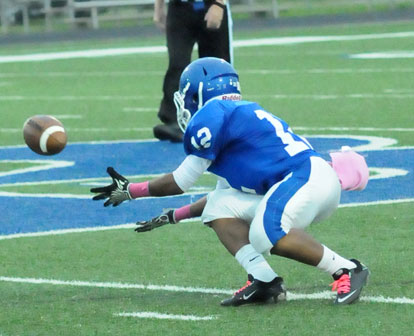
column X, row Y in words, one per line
column 70, row 267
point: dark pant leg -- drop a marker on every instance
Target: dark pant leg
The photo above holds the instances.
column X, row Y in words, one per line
column 180, row 42
column 215, row 42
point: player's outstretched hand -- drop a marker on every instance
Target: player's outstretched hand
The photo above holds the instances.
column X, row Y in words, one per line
column 116, row 193
column 167, row 217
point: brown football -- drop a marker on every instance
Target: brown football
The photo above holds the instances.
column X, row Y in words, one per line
column 44, row 134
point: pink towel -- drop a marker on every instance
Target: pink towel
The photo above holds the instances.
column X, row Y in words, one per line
column 351, row 168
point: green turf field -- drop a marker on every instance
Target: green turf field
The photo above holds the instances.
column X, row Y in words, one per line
column 75, row 283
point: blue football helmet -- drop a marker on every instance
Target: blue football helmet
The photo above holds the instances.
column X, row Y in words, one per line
column 204, row 79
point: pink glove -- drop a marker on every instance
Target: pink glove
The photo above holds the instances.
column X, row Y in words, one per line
column 351, row 168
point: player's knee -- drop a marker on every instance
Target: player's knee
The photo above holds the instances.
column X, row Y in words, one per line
column 215, row 224
column 261, row 240
column 258, row 242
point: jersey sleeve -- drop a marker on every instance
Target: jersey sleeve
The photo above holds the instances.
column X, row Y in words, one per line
column 205, row 134
column 189, row 171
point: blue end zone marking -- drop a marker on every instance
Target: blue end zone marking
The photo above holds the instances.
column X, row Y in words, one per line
column 22, row 215
column 91, row 160
column 27, row 214
column 386, row 189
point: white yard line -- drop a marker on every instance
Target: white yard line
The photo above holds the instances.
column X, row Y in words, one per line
column 331, row 96
column 382, row 299
column 78, row 74
column 384, row 55
column 116, row 285
column 316, row 71
column 72, row 98
column 276, row 41
column 87, row 130
column 45, row 195
column 161, row 316
column 66, row 231
column 359, row 129
column 383, row 173
column 91, row 53
column 171, row 288
column 132, row 225
column 296, row 128
column 81, row 230
column 321, row 96
column 272, row 41
column 400, row 90
column 105, row 129
column 320, row 71
column 38, row 165
column 83, row 181
column 396, row 201
column 75, row 196
column 374, row 142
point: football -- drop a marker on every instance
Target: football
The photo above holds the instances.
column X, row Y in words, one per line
column 44, row 134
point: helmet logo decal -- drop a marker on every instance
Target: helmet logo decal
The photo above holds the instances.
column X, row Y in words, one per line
column 200, row 95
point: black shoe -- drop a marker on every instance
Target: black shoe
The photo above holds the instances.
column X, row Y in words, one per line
column 170, row 132
column 256, row 291
column 349, row 283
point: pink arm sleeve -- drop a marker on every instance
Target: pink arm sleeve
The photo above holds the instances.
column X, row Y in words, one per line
column 182, row 213
column 138, row 189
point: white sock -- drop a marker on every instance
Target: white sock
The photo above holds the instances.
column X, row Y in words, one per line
column 255, row 264
column 332, row 262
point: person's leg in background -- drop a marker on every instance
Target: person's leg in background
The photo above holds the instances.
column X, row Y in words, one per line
column 217, row 42
column 180, row 43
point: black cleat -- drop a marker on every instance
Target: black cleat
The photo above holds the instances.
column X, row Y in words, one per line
column 170, row 132
column 349, row 283
column 256, row 291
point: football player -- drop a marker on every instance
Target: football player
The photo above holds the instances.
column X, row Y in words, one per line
column 259, row 157
column 230, row 218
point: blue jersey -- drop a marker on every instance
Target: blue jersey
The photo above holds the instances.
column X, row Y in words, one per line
column 249, row 147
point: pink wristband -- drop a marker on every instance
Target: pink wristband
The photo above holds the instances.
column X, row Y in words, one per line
column 139, row 189
column 182, row 213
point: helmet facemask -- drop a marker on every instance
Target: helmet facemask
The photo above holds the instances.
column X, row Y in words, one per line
column 183, row 115
column 194, row 103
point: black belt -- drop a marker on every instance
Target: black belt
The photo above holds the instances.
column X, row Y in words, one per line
column 196, row 4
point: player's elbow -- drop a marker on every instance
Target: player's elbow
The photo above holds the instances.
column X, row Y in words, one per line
column 167, row 190
column 164, row 186
column 178, row 191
